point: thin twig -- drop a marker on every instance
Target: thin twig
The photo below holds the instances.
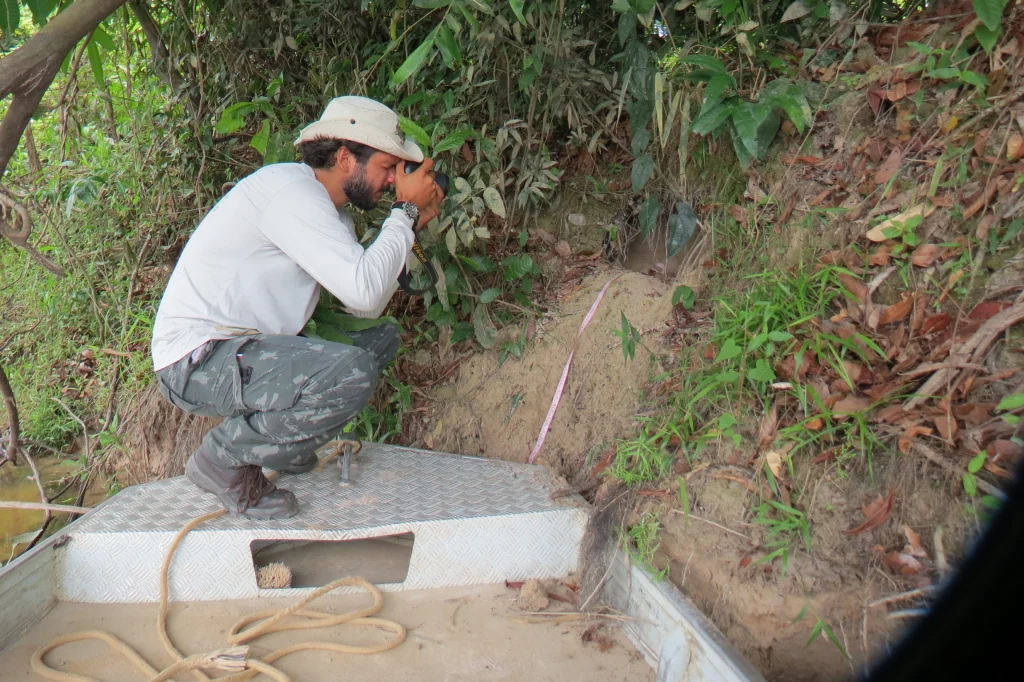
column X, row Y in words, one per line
column 716, row 525
column 43, row 506
column 912, row 594
column 604, row 578
column 85, row 431
column 42, row 497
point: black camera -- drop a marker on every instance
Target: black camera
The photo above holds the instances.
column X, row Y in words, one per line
column 440, row 179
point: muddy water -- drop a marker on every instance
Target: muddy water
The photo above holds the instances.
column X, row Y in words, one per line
column 18, row 484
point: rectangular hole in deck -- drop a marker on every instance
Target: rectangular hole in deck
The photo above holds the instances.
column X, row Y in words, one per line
column 315, row 563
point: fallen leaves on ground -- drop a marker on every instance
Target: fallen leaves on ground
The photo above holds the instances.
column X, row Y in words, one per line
column 595, row 635
column 875, row 514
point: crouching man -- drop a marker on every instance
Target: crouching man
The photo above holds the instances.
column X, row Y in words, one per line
column 225, row 341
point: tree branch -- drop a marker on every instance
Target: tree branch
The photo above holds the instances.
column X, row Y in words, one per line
column 12, row 418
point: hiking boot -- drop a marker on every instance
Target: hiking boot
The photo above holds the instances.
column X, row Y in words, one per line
column 245, row 491
column 302, row 467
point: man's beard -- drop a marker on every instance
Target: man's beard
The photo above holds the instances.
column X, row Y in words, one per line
column 359, row 192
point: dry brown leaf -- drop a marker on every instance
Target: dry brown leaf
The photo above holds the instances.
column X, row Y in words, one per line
column 856, row 288
column 875, row 514
column 854, row 370
column 936, row 323
column 890, row 414
column 1014, row 147
column 946, row 426
column 851, row 404
column 877, row 233
column 896, row 312
column 593, row 635
column 815, row 424
column 841, row 315
column 987, row 309
column 774, row 460
column 902, row 563
column 1000, row 448
column 768, row 426
column 889, row 167
column 925, row 255
column 880, row 257
column 914, row 547
column 563, row 249
column 739, row 214
column 908, row 436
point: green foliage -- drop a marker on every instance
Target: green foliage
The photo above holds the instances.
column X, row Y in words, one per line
column 642, row 541
column 785, row 527
column 684, row 295
column 643, row 459
column 630, row 336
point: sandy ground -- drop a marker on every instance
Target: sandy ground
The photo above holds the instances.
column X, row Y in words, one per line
column 454, row 634
column 497, row 410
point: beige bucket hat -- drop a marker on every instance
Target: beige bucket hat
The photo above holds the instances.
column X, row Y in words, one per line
column 363, row 120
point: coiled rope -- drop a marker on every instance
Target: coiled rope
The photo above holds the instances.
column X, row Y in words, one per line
column 235, row 660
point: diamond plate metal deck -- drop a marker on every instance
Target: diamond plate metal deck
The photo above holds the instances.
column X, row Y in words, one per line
column 475, row 521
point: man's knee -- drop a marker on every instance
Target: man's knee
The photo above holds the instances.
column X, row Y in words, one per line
column 350, row 377
column 390, row 342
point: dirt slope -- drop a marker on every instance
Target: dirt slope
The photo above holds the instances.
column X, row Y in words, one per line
column 497, row 410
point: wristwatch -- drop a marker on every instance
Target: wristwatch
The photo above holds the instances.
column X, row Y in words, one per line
column 410, row 209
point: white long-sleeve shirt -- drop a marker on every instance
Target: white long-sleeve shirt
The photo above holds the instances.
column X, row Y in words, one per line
column 258, row 259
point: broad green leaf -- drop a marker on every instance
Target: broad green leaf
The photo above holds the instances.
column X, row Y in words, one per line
column 730, row 349
column 987, row 37
column 643, row 167
column 971, row 484
column 478, row 264
column 96, row 62
column 431, row 4
column 417, row 133
column 451, row 240
column 641, row 141
column 10, row 16
column 414, row 60
column 517, row 267
column 627, row 26
column 977, row 462
column 779, row 336
column 748, row 119
column 712, row 119
column 974, row 78
column 681, row 226
column 726, row 420
column 449, row 47
column 714, row 91
column 517, row 8
column 41, row 9
column 685, row 295
column 757, row 342
column 480, row 5
column 454, row 140
column 762, row 372
column 103, row 38
column 494, row 201
column 1011, row 402
column 486, row 333
column 260, row 139
column 990, row 12
column 649, row 214
column 489, row 295
column 706, row 62
column 948, row 72
column 794, row 12
column 642, row 6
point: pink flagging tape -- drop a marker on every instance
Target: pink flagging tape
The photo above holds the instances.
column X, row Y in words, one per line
column 557, row 398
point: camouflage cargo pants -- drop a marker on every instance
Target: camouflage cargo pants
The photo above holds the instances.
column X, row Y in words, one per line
column 282, row 397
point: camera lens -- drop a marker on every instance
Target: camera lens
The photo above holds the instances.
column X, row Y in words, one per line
column 440, row 179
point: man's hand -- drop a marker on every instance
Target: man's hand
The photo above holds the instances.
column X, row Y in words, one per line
column 419, row 188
